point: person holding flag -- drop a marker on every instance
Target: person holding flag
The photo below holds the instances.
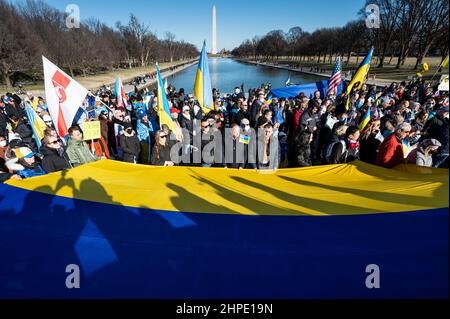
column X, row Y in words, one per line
column 202, row 87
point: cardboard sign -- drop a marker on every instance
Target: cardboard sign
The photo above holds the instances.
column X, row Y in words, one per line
column 443, row 86
column 91, row 130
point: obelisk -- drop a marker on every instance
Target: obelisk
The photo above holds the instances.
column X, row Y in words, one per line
column 214, row 31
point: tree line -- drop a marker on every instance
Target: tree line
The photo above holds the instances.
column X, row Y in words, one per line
column 399, row 29
column 31, row 29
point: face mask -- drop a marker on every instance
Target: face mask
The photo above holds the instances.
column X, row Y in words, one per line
column 2, row 143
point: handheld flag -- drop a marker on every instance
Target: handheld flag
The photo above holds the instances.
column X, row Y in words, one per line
column 166, row 85
column 335, row 83
column 202, row 87
column 64, row 96
column 360, row 75
column 444, row 63
column 364, row 120
column 37, row 124
column 288, row 82
column 163, row 104
column 347, row 103
column 122, row 102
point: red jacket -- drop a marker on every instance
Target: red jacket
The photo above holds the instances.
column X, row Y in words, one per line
column 390, row 153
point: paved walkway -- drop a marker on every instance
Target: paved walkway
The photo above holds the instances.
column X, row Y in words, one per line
column 377, row 82
column 129, row 87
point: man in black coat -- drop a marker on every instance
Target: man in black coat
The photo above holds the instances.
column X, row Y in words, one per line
column 308, row 121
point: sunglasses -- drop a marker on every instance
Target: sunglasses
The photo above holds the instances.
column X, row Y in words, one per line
column 54, row 142
column 162, row 136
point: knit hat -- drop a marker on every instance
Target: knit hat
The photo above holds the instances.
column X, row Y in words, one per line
column 141, row 113
column 431, row 142
column 24, row 152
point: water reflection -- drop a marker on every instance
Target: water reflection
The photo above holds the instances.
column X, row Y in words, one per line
column 228, row 73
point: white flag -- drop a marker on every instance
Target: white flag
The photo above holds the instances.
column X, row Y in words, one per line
column 64, row 96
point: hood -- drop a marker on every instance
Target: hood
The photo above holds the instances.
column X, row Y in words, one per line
column 13, row 165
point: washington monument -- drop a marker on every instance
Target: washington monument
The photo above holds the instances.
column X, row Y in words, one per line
column 214, row 31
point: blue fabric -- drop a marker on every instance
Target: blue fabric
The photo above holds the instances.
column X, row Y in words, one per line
column 128, row 252
column 143, row 132
column 27, row 173
column 307, row 89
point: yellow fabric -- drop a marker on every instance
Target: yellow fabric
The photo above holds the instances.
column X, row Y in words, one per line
column 356, row 188
column 359, row 78
column 34, row 104
column 445, row 63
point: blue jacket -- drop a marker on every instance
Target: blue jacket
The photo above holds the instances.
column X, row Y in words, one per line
column 145, row 132
column 27, row 173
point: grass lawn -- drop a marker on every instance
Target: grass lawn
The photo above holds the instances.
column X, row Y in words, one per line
column 388, row 72
column 93, row 82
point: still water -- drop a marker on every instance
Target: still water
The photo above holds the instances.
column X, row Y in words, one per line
column 226, row 74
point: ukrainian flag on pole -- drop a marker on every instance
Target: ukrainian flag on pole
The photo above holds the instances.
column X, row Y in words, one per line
column 361, row 73
column 37, row 124
column 163, row 104
column 202, row 87
column 364, row 120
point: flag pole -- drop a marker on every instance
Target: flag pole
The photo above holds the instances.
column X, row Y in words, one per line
column 109, row 109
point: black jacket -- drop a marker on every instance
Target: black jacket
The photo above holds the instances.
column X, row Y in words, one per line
column 159, row 158
column 53, row 161
column 3, row 123
column 308, row 121
column 130, row 146
column 26, row 133
column 14, row 110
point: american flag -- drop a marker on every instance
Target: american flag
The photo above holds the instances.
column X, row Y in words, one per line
column 335, row 79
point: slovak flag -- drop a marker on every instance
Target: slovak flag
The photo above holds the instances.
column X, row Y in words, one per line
column 64, row 96
column 122, row 102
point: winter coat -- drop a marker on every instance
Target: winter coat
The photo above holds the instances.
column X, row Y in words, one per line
column 308, row 122
column 25, row 172
column 79, row 153
column 419, row 158
column 54, row 160
column 159, row 158
column 390, row 153
column 130, row 146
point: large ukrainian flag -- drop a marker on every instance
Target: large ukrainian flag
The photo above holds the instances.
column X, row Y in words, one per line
column 163, row 104
column 358, row 79
column 202, row 87
column 139, row 231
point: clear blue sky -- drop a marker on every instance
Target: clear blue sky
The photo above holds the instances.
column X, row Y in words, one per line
column 237, row 20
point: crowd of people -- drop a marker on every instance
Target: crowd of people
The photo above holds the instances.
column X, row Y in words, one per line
column 408, row 123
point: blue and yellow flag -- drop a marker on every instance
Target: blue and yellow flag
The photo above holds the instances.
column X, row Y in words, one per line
column 163, row 104
column 360, row 75
column 364, row 120
column 202, row 87
column 37, row 124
